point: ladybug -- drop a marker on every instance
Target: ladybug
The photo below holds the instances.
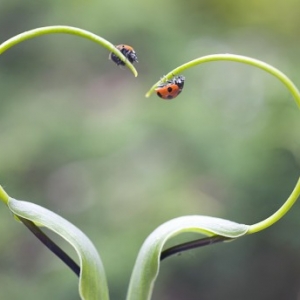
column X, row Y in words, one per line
column 127, row 51
column 170, row 89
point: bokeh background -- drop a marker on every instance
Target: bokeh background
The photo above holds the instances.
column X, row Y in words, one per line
column 78, row 136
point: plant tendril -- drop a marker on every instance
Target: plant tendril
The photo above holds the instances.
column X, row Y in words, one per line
column 68, row 30
column 235, row 58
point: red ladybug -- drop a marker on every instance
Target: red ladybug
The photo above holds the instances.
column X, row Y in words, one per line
column 127, row 51
column 170, row 89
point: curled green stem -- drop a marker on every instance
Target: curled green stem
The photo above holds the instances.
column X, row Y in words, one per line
column 273, row 71
column 235, row 58
column 279, row 213
column 68, row 30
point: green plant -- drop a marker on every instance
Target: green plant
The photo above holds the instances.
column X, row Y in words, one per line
column 92, row 279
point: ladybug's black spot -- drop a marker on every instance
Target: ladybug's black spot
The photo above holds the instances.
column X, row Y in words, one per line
column 159, row 94
column 169, row 97
column 170, row 89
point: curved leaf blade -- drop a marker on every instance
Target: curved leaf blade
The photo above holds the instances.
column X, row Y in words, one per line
column 147, row 264
column 92, row 279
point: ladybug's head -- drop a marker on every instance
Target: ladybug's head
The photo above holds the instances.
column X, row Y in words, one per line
column 131, row 55
column 128, row 52
column 179, row 81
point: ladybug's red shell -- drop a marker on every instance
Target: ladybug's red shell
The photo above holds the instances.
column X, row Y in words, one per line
column 170, row 89
column 127, row 51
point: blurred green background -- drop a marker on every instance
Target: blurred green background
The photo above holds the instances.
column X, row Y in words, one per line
column 79, row 137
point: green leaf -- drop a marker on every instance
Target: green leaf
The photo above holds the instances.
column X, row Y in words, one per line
column 146, row 267
column 92, row 280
